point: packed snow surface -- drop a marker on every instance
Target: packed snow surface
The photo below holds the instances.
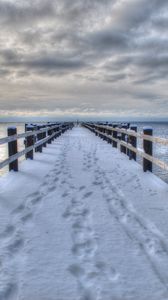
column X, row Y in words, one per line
column 82, row 222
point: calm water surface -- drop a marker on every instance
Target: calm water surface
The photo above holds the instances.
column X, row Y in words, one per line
column 160, row 151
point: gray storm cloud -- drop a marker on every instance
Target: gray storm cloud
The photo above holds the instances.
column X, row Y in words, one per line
column 85, row 57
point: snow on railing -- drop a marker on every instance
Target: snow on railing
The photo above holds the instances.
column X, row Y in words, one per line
column 126, row 139
column 130, row 132
column 23, row 135
column 36, row 137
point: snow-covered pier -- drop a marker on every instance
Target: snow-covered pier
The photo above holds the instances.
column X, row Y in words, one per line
column 82, row 222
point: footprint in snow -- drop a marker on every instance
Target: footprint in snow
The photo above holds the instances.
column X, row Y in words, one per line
column 36, row 200
column 65, row 194
column 63, row 182
column 55, row 179
column 10, row 292
column 76, row 270
column 16, row 245
column 82, row 187
column 9, row 230
column 58, row 173
column 87, row 195
column 19, row 209
column 86, row 248
column 67, row 213
column 33, row 195
column 51, row 188
column 27, row 217
column 96, row 182
column 105, row 270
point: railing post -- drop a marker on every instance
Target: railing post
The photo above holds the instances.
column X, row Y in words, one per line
column 104, row 131
column 49, row 133
column 95, row 128
column 59, row 128
column 29, row 141
column 62, row 128
column 39, row 137
column 148, row 149
column 55, row 130
column 109, row 132
column 123, row 137
column 12, row 149
column 44, row 135
column 108, row 138
column 127, row 140
column 114, row 136
column 133, row 142
column 52, row 132
column 100, row 132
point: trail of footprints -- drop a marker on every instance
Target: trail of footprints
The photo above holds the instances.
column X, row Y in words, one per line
column 11, row 238
column 144, row 235
column 87, row 268
column 84, row 245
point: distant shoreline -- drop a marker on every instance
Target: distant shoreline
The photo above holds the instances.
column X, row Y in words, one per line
column 58, row 120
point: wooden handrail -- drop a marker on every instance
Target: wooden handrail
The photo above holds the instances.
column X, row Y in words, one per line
column 23, row 152
column 12, row 160
column 25, row 134
column 163, row 165
column 129, row 132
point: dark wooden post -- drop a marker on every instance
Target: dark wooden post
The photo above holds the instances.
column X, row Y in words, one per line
column 108, row 139
column 29, row 141
column 55, row 130
column 148, row 149
column 99, row 134
column 104, row 131
column 44, row 135
column 127, row 140
column 95, row 128
column 107, row 132
column 58, row 130
column 39, row 137
column 123, row 138
column 61, row 127
column 110, row 134
column 12, row 149
column 49, row 133
column 52, row 131
column 133, row 142
column 114, row 136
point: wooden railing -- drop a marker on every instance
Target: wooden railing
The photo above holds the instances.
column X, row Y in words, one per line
column 126, row 139
column 36, row 137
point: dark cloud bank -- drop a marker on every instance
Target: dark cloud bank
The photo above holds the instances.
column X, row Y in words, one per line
column 84, row 57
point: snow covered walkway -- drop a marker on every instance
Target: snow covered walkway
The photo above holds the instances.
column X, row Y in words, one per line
column 82, row 222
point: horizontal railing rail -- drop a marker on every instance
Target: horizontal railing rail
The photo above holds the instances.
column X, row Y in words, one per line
column 26, row 150
column 25, row 134
column 35, row 139
column 153, row 139
column 97, row 129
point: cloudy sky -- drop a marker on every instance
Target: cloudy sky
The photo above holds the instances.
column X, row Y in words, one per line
column 106, row 58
